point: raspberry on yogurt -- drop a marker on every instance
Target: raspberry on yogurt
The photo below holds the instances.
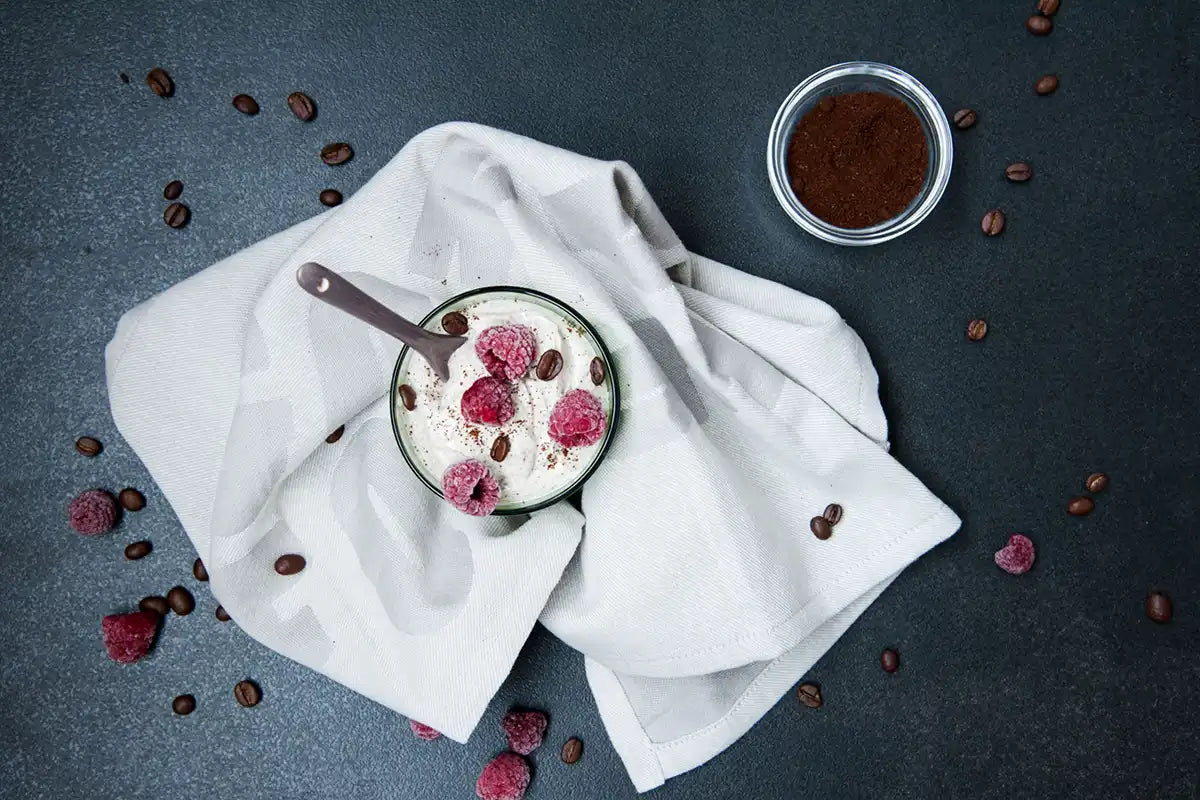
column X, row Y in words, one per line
column 578, row 419
column 506, row 350
column 470, row 488
column 488, row 401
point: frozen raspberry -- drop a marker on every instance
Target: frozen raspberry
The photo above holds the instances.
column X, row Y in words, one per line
column 93, row 512
column 1017, row 556
column 488, row 401
column 422, row 731
column 577, row 419
column 128, row 637
column 524, row 730
column 506, row 350
column 471, row 488
column 506, row 777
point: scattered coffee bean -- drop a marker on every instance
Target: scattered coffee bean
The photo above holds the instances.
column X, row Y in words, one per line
column 181, row 601
column 596, row 370
column 1018, row 172
column 1081, row 506
column 833, row 514
column 500, row 448
column 247, row 694
column 131, row 499
column 1046, row 84
column 222, row 615
column 289, row 564
column 177, row 215
column 1039, row 25
column 1158, row 607
column 199, row 571
column 137, row 550
column 302, row 106
column 1048, row 7
column 124, row 78
column 336, row 153
column 408, row 396
column 572, row 751
column 183, row 705
column 172, row 190
column 1096, row 482
column 246, row 104
column 827, row 104
column 993, row 222
column 965, row 118
column 977, row 329
column 821, row 528
column 331, row 197
column 890, row 660
column 455, row 323
column 87, row 446
column 549, row 365
column 160, row 82
column 156, row 604
column 337, row 434
column 810, row 695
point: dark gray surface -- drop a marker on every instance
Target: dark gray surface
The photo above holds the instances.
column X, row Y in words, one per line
column 1053, row 684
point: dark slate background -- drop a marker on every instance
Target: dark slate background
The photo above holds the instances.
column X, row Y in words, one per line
column 1053, row 684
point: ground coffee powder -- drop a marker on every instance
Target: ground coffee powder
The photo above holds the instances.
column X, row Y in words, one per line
column 856, row 160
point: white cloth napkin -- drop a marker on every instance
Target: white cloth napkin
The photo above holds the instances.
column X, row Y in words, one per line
column 697, row 595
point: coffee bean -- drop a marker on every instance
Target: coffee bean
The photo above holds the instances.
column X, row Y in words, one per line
column 337, row 434
column 124, row 78
column 199, row 571
column 549, row 365
column 810, row 695
column 977, row 329
column 1048, row 7
column 160, row 82
column 500, row 448
column 965, row 118
column 247, row 694
column 572, row 751
column 408, row 396
column 221, row 614
column 154, row 603
column 87, row 446
column 455, row 323
column 177, row 215
column 331, row 197
column 596, row 370
column 336, row 153
column 131, row 499
column 1080, row 506
column 172, row 190
column 1158, row 607
column 1096, row 482
column 1018, row 172
column 833, row 514
column 827, row 104
column 289, row 564
column 181, row 601
column 302, row 106
column 246, row 104
column 890, row 660
column 1046, row 84
column 993, row 222
column 1039, row 25
column 820, row 528
column 183, row 705
column 137, row 550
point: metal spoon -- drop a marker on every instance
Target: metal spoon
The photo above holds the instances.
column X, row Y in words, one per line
column 325, row 284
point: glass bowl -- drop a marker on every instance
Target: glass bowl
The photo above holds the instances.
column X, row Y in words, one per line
column 610, row 399
column 862, row 76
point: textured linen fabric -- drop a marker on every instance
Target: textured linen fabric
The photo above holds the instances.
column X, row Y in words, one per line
column 697, row 594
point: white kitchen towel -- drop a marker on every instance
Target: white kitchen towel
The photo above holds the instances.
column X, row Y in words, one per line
column 697, row 594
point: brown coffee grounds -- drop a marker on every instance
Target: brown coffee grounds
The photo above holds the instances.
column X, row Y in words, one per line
column 856, row 160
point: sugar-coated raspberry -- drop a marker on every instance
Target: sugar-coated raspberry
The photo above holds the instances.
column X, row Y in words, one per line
column 506, row 777
column 128, row 637
column 506, row 350
column 524, row 730
column 93, row 512
column 422, row 731
column 1017, row 556
column 471, row 488
column 577, row 419
column 488, row 401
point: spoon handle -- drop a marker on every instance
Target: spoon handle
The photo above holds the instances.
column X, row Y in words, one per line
column 325, row 284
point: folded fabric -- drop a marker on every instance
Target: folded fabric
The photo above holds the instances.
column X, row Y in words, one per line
column 697, row 595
